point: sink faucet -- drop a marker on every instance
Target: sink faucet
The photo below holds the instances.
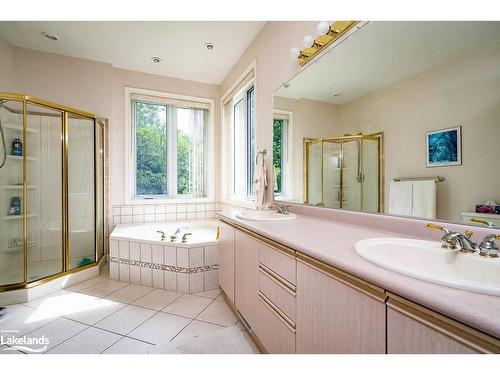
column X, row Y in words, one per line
column 450, row 240
column 488, row 248
column 281, row 209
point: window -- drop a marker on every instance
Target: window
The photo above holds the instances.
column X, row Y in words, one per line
column 238, row 138
column 281, row 153
column 169, row 146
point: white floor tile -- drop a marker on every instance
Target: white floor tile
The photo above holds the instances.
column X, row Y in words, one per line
column 129, row 346
column 126, row 319
column 213, row 294
column 88, row 283
column 105, row 288
column 160, row 329
column 90, row 341
column 95, row 311
column 187, row 305
column 23, row 320
column 218, row 312
column 129, row 293
column 157, row 299
column 56, row 332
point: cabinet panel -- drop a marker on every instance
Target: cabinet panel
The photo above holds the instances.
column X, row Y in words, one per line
column 333, row 317
column 406, row 335
column 226, row 260
column 246, row 277
column 274, row 333
column 283, row 264
column 282, row 296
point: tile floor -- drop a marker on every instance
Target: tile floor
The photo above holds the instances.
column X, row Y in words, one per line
column 107, row 316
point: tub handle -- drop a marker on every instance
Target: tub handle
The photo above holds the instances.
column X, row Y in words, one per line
column 184, row 237
column 162, row 234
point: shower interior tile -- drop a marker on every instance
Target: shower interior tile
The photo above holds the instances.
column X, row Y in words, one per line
column 146, row 276
column 124, row 273
column 135, row 274
column 157, row 254
column 146, row 252
column 170, row 255
column 135, row 250
column 124, row 249
column 158, row 279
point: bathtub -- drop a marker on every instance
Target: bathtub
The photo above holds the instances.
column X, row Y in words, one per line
column 138, row 255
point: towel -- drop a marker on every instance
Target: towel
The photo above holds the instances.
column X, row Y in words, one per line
column 260, row 183
column 400, row 198
column 424, row 199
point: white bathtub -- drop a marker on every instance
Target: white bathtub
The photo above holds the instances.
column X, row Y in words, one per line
column 138, row 255
column 203, row 233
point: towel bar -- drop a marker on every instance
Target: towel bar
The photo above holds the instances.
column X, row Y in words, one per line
column 436, row 179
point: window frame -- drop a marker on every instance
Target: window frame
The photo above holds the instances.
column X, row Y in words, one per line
column 287, row 192
column 130, row 147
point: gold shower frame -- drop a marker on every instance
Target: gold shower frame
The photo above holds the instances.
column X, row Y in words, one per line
column 307, row 142
column 99, row 124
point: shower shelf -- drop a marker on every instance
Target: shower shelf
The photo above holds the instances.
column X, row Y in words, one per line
column 17, row 187
column 18, row 217
column 20, row 158
column 19, row 128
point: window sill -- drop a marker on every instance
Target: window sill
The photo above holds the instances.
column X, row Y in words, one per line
column 242, row 202
column 168, row 200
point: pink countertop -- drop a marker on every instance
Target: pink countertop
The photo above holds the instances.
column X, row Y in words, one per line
column 333, row 242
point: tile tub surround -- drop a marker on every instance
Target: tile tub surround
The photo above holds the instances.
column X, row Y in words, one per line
column 148, row 213
column 185, row 268
column 332, row 240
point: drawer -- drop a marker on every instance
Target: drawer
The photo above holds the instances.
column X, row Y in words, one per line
column 279, row 262
column 279, row 291
column 275, row 332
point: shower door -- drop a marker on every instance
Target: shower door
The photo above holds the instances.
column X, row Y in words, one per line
column 313, row 172
column 81, row 137
column 352, row 174
column 12, row 232
column 332, row 175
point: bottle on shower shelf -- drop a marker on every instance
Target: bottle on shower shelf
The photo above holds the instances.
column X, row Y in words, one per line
column 15, row 206
column 17, row 147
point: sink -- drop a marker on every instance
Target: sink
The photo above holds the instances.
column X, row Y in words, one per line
column 427, row 260
column 264, row 216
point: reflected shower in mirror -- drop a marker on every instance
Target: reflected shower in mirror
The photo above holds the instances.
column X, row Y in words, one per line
column 401, row 118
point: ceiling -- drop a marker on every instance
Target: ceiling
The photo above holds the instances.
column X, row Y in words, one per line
column 130, row 45
column 382, row 53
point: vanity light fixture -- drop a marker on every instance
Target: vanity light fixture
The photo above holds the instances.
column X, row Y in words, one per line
column 328, row 33
column 156, row 59
column 209, row 46
column 50, row 36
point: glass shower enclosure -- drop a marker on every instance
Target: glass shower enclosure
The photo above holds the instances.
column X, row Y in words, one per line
column 344, row 172
column 51, row 190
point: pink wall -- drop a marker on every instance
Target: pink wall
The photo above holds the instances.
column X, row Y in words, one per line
column 7, row 66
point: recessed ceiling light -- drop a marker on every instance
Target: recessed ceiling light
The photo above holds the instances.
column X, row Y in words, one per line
column 50, row 36
column 209, row 46
column 156, row 59
column 286, row 85
column 337, row 93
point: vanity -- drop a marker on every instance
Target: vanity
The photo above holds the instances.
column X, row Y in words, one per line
column 299, row 287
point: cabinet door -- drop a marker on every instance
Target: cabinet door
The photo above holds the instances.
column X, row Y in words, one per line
column 247, row 277
column 333, row 317
column 226, row 260
column 406, row 335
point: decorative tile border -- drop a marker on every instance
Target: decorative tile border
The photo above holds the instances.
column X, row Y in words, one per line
column 164, row 267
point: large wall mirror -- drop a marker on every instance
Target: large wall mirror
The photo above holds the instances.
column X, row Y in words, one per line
column 401, row 118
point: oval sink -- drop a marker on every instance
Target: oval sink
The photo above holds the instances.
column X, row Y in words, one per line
column 427, row 260
column 264, row 216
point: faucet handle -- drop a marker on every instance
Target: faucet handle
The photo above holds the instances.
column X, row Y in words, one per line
column 489, row 224
column 437, row 227
column 488, row 248
column 162, row 234
column 469, row 234
column 184, row 237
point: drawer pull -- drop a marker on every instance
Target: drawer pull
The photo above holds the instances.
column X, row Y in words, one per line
column 289, row 287
column 276, row 311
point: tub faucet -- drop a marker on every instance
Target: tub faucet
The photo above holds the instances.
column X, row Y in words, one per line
column 184, row 237
column 174, row 236
column 162, row 234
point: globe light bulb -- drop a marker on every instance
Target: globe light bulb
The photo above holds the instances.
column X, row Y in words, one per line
column 294, row 53
column 308, row 41
column 323, row 28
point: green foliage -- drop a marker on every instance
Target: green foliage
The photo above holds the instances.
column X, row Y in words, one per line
column 183, row 147
column 277, row 151
column 151, row 143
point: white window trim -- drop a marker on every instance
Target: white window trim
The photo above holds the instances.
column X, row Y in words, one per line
column 288, row 181
column 226, row 192
column 130, row 157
